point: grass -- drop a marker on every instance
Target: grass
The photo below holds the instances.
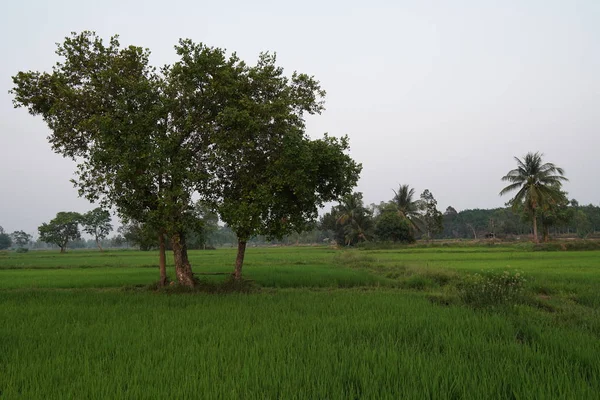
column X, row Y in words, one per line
column 323, row 324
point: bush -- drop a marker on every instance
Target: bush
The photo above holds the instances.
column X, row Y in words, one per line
column 492, row 289
column 22, row 250
column 393, row 228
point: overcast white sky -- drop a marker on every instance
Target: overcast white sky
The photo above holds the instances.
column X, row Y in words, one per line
column 436, row 94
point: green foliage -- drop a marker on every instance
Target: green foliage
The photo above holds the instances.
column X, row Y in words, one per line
column 202, row 232
column 146, row 141
column 97, row 223
column 392, row 227
column 142, row 138
column 21, row 250
column 431, row 218
column 538, row 184
column 270, row 176
column 407, row 207
column 582, row 224
column 5, row 240
column 20, row 238
column 493, row 288
column 350, row 221
column 555, row 212
column 143, row 236
column 61, row 230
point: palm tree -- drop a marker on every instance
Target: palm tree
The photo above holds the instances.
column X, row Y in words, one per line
column 354, row 217
column 536, row 182
column 407, row 207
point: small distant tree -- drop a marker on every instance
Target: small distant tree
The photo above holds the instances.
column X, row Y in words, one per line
column 63, row 229
column 432, row 218
column 393, row 227
column 582, row 223
column 204, row 227
column 5, row 241
column 141, row 235
column 20, row 238
column 555, row 212
column 354, row 221
column 97, row 223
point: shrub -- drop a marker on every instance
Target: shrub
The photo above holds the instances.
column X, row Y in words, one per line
column 493, row 288
column 22, row 250
column 393, row 228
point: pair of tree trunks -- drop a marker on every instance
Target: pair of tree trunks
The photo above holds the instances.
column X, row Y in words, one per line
column 183, row 269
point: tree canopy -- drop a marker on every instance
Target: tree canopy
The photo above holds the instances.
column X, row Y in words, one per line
column 270, row 178
column 97, row 223
column 147, row 140
column 537, row 183
column 61, row 230
column 20, row 238
column 432, row 218
column 407, row 207
column 5, row 240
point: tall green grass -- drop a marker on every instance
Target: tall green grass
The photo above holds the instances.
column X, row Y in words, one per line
column 322, row 323
column 288, row 344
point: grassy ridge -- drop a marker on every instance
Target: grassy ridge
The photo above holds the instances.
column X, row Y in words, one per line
column 325, row 324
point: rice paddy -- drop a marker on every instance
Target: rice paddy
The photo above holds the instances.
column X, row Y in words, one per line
column 318, row 323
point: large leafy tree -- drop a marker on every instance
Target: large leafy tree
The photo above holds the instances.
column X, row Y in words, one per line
column 536, row 183
column 61, row 230
column 270, row 178
column 409, row 207
column 97, row 223
column 141, row 137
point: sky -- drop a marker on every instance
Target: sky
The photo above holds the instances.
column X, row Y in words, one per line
column 440, row 95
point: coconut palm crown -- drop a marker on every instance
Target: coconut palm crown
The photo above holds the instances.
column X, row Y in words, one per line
column 407, row 207
column 536, row 183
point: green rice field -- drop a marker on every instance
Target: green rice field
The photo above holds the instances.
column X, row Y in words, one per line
column 312, row 323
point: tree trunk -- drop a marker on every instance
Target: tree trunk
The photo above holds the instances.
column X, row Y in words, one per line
column 63, row 249
column 535, row 233
column 239, row 260
column 98, row 244
column 162, row 260
column 183, row 269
